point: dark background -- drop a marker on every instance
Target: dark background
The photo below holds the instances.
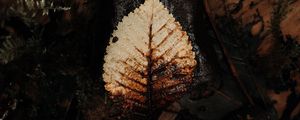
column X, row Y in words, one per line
column 53, row 68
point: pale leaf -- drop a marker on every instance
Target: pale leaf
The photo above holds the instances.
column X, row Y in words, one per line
column 149, row 59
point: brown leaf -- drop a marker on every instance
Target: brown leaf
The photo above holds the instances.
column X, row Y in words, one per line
column 171, row 112
column 281, row 101
column 290, row 24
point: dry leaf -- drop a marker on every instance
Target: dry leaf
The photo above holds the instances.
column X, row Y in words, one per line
column 171, row 112
column 149, row 60
column 281, row 101
column 250, row 11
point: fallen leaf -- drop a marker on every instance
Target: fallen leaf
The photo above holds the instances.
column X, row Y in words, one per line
column 149, row 61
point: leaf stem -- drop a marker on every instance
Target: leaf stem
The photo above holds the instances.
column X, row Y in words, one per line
column 149, row 71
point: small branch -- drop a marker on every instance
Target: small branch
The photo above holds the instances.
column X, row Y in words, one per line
column 11, row 107
column 229, row 98
column 68, row 108
column 226, row 55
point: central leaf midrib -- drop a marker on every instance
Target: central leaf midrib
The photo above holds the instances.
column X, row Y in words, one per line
column 149, row 70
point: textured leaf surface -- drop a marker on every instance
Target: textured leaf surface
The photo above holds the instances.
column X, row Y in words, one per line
column 149, row 61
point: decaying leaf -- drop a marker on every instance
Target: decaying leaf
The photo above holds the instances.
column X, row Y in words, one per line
column 10, row 49
column 149, row 60
column 269, row 32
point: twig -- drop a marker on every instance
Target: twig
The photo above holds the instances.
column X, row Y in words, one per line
column 68, row 108
column 226, row 55
column 11, row 107
column 229, row 98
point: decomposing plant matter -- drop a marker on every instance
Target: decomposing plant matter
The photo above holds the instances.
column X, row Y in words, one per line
column 149, row 61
